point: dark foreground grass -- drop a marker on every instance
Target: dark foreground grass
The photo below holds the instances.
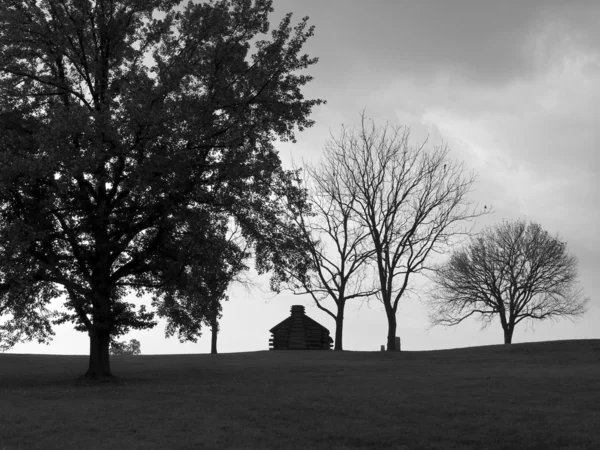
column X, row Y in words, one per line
column 524, row 396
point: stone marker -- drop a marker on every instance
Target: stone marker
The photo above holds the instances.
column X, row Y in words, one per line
column 397, row 345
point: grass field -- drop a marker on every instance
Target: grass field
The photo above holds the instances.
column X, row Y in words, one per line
column 525, row 396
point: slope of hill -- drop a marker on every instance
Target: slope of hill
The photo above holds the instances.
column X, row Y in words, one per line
column 540, row 395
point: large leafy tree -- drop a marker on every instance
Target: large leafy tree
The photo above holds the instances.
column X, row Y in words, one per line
column 513, row 271
column 127, row 127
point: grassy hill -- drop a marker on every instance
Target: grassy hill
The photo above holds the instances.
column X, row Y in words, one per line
column 524, row 396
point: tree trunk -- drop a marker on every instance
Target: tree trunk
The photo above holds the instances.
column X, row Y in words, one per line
column 339, row 328
column 214, row 329
column 391, row 339
column 99, row 366
column 508, row 333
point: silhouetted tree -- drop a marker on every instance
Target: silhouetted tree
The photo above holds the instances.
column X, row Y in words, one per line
column 332, row 262
column 216, row 307
column 408, row 199
column 214, row 331
column 123, row 348
column 197, row 298
column 135, row 347
column 232, row 272
column 513, row 271
column 122, row 135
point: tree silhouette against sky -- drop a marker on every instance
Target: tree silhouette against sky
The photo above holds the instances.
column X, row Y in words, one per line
column 513, row 271
column 123, row 138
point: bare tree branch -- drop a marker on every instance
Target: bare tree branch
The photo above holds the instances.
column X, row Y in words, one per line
column 337, row 251
column 514, row 271
column 410, row 201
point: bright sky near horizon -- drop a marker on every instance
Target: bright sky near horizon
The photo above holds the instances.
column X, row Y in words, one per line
column 512, row 88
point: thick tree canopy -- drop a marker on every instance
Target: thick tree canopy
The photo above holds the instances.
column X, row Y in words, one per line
column 514, row 271
column 127, row 130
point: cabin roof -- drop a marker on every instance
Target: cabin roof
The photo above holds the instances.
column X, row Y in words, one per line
column 305, row 319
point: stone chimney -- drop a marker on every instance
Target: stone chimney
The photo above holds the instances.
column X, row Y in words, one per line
column 297, row 330
column 297, row 309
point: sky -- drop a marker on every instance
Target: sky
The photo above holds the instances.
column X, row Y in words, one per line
column 513, row 89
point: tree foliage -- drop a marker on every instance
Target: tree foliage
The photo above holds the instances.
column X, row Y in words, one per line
column 514, row 271
column 123, row 348
column 129, row 131
column 196, row 298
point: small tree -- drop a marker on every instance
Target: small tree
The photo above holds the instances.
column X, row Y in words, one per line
column 410, row 200
column 514, row 271
column 117, row 347
column 214, row 324
column 135, row 347
column 123, row 348
column 196, row 298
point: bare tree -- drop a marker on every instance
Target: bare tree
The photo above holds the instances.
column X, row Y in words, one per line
column 515, row 271
column 410, row 201
column 333, row 265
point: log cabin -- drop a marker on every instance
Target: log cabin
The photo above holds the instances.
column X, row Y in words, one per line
column 299, row 332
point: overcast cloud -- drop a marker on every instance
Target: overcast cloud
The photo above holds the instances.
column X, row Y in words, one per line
column 512, row 87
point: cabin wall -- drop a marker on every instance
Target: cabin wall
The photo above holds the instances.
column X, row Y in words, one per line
column 296, row 338
column 299, row 332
